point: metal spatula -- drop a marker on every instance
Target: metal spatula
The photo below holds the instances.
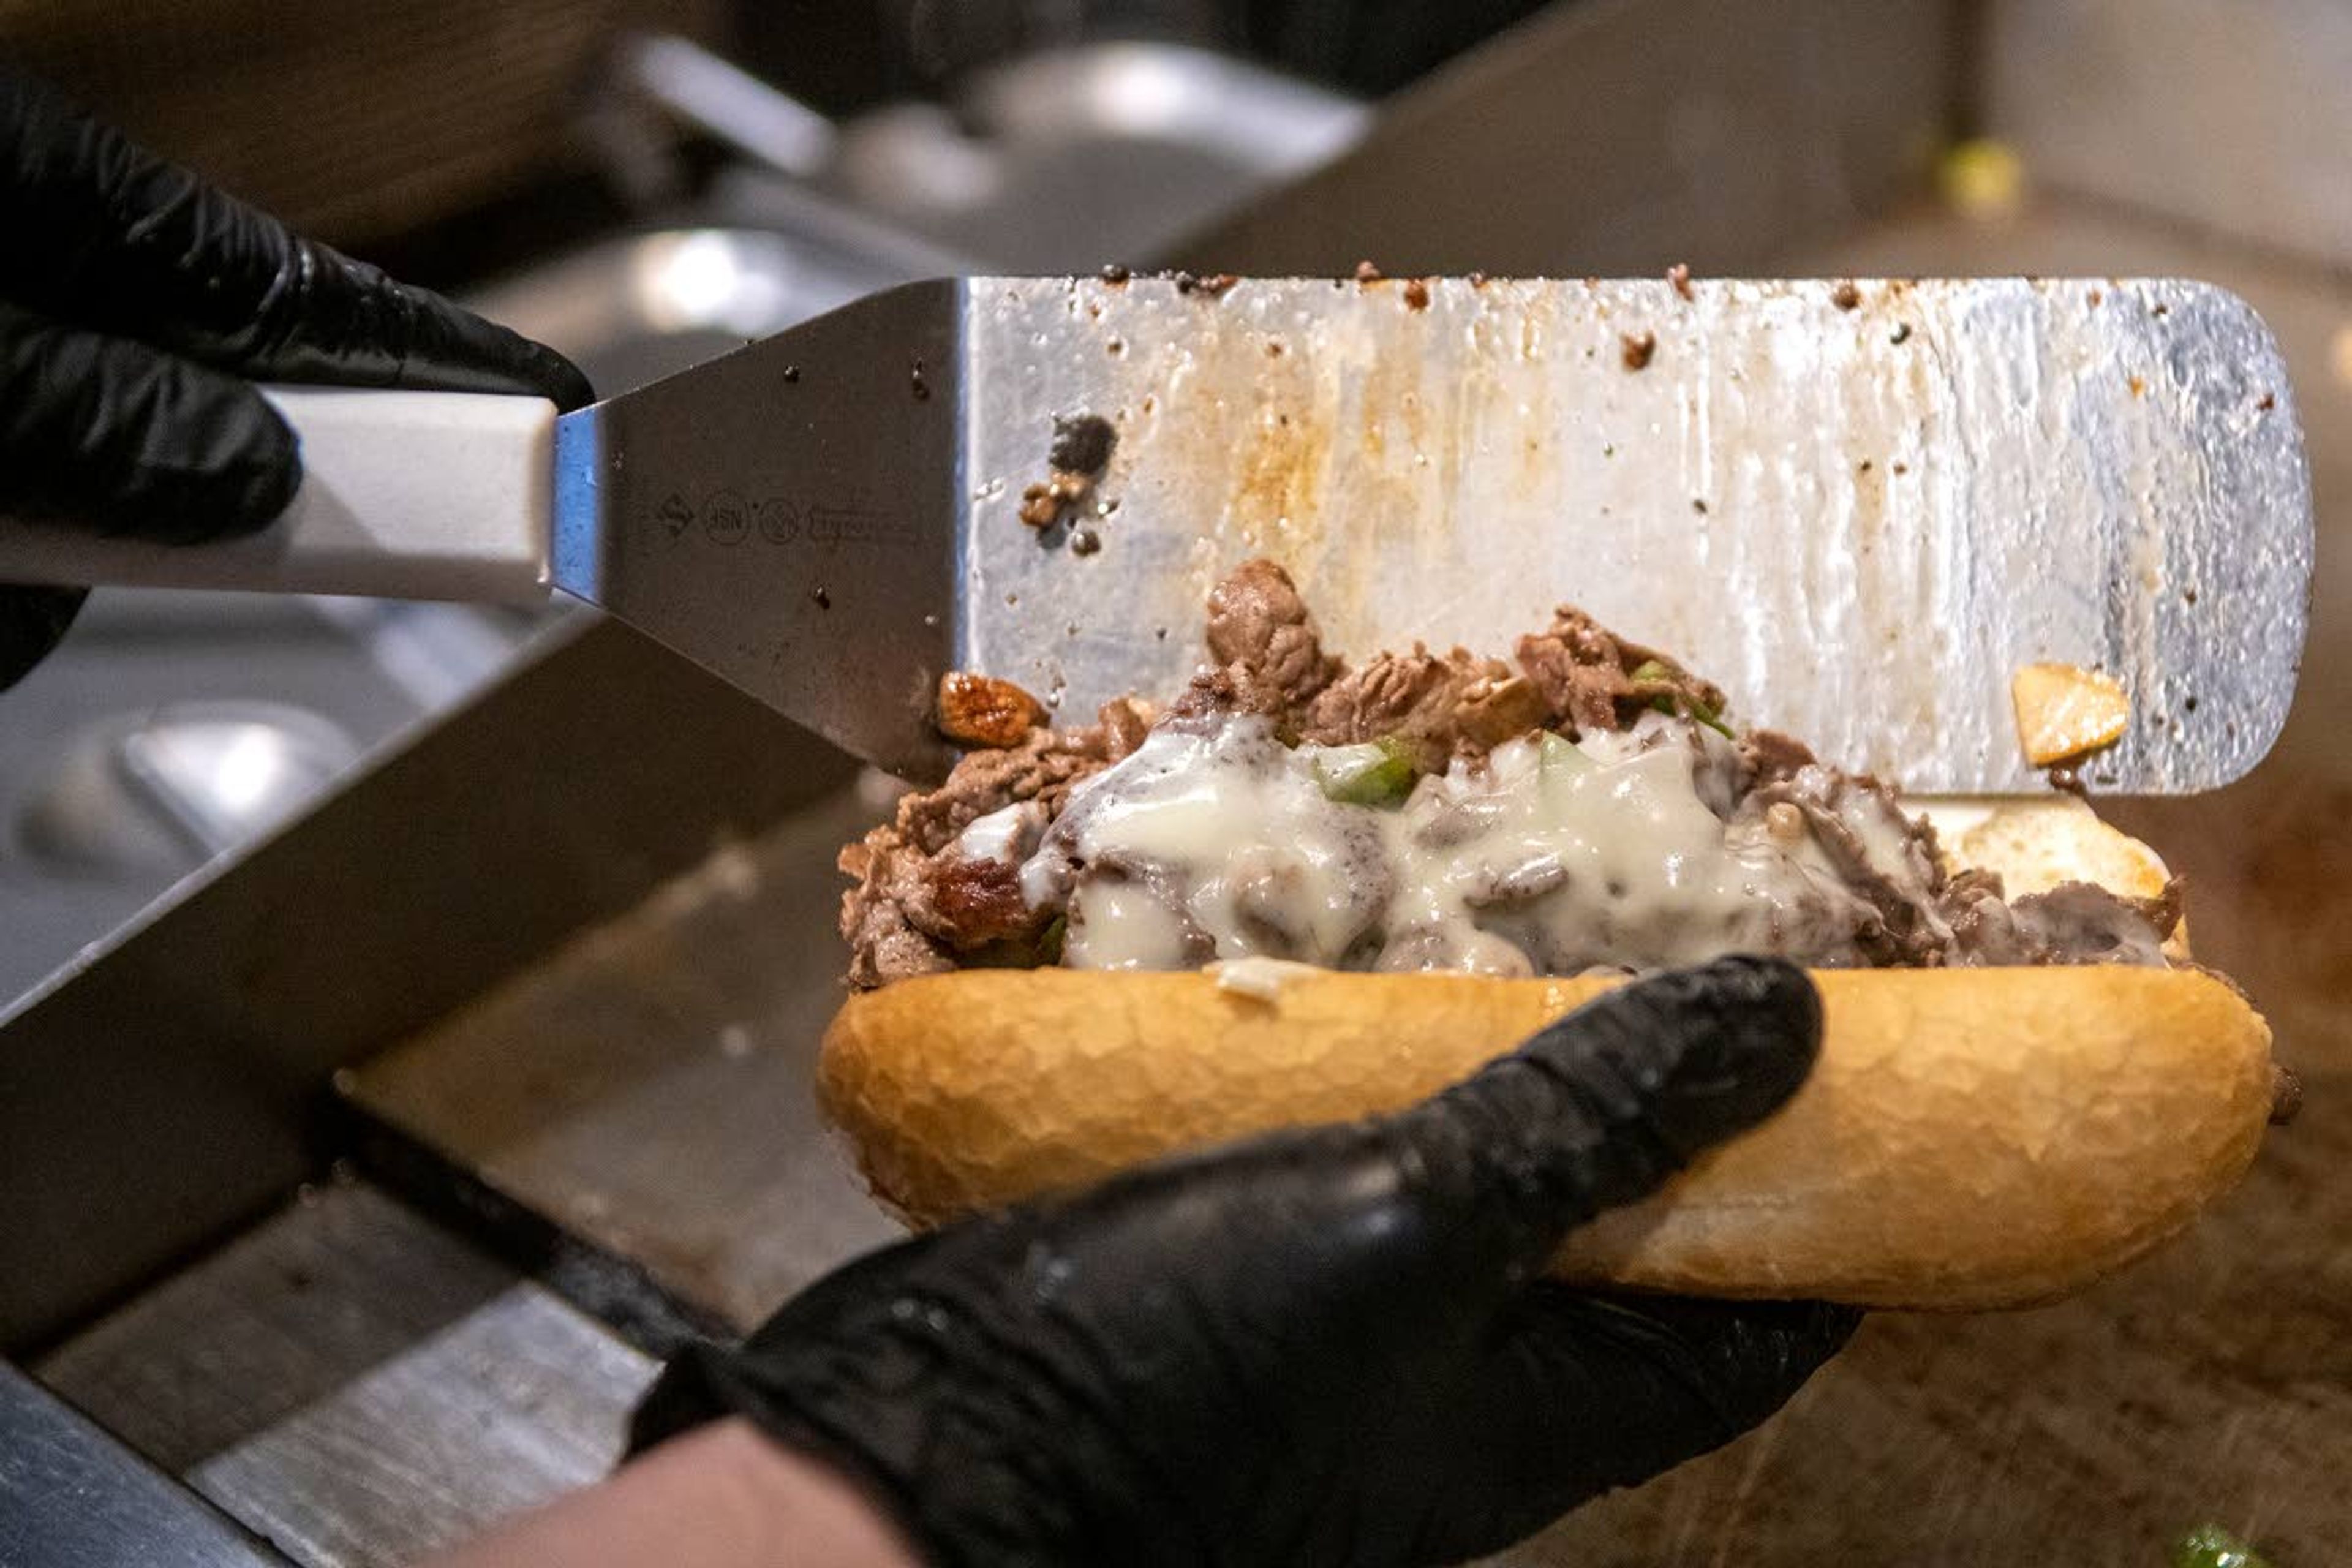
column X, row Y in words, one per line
column 1857, row 506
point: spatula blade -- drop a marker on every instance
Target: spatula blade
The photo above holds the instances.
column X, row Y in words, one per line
column 1858, row 507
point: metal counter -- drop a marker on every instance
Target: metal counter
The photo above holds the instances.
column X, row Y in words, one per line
column 73, row 1496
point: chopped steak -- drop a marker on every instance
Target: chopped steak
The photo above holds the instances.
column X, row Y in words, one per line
column 1767, row 756
column 1593, row 679
column 1886, row 859
column 1434, row 705
column 1581, row 808
column 1267, row 657
column 982, row 710
column 1258, row 620
column 2074, row 922
column 894, row 919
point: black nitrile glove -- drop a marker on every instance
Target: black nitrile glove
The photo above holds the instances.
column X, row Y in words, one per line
column 137, row 306
column 1318, row 1347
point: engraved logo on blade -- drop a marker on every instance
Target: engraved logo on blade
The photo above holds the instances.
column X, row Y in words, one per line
column 675, row 517
column 728, row 519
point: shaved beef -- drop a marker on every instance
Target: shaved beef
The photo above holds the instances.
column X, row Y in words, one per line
column 919, row 906
column 1585, row 673
column 1213, row 693
column 1884, row 857
column 1258, row 620
column 1267, row 657
column 1436, row 705
column 2074, row 922
column 1767, row 756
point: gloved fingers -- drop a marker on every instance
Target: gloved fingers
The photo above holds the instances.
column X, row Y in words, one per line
column 125, row 439
column 33, row 621
column 105, row 234
column 1579, row 1394
column 1603, row 1105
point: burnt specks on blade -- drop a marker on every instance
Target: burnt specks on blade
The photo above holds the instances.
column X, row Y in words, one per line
column 1857, row 502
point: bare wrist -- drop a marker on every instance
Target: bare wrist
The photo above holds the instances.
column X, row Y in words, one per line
column 722, row 1496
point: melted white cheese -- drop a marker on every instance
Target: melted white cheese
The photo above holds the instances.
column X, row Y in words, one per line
column 1224, row 838
column 1259, row 979
column 1009, row 834
column 1547, row 858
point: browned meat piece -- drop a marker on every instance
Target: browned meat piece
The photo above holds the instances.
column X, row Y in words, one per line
column 2163, row 911
column 1214, row 693
column 982, row 710
column 1258, row 620
column 1574, row 665
column 971, row 903
column 1585, row 673
column 1124, row 724
column 1438, row 705
column 2074, row 922
column 1767, row 756
column 1973, row 882
column 884, row 944
column 1909, row 928
column 2083, row 923
column 897, row 919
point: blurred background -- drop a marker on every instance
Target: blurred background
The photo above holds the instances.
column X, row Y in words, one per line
column 398, row 1048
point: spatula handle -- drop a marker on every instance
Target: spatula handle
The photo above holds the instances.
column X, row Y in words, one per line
column 405, row 495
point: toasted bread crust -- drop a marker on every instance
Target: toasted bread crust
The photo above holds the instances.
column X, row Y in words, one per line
column 1971, row 1138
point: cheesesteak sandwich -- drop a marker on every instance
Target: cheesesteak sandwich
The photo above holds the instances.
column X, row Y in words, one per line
column 1303, row 891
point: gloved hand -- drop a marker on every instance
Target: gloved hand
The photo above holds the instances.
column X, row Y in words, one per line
column 1311, row 1349
column 138, row 304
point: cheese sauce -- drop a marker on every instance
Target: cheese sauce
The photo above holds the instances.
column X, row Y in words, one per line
column 1547, row 857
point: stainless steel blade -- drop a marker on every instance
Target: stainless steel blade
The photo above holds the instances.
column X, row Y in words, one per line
column 1858, row 507
column 787, row 516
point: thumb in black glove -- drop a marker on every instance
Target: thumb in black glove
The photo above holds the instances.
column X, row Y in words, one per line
column 1321, row 1347
column 137, row 306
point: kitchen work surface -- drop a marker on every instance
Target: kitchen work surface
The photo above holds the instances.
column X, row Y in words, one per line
column 356, row 1385
column 566, row 1089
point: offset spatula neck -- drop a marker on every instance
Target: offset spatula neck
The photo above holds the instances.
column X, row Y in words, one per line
column 786, row 516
